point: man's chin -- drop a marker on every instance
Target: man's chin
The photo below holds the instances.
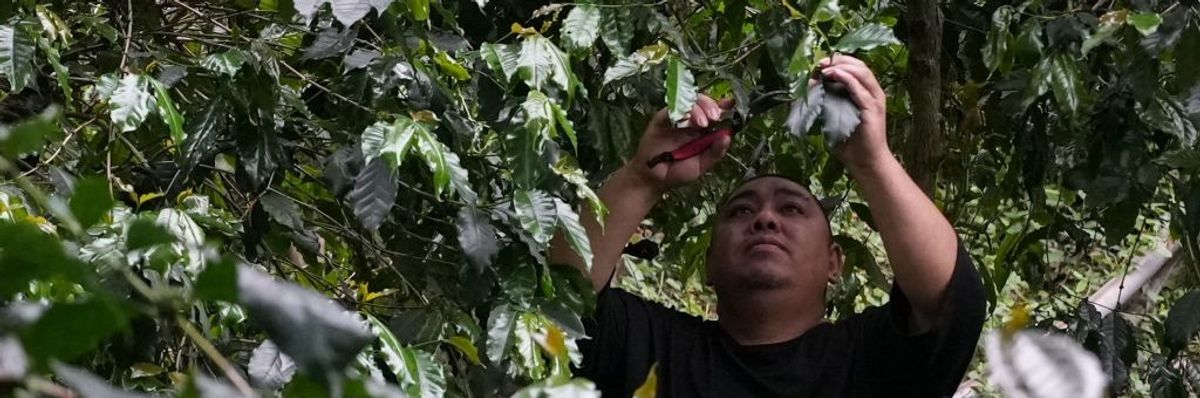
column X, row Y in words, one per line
column 761, row 277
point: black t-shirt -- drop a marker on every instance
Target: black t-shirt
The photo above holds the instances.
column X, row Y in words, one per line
column 865, row 355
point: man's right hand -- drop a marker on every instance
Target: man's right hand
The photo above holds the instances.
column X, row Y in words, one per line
column 662, row 136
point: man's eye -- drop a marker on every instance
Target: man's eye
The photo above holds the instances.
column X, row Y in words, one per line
column 792, row 209
column 739, row 211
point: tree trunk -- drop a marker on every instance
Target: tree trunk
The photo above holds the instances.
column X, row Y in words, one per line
column 923, row 152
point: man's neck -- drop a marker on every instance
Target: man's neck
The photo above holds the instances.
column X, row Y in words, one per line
column 766, row 317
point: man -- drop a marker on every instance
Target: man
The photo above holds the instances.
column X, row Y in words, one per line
column 771, row 258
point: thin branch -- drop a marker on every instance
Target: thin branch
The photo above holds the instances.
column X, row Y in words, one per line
column 128, row 34
column 323, row 88
column 213, row 354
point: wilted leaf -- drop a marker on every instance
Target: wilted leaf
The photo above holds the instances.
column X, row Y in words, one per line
column 805, row 112
column 681, row 90
column 269, row 368
column 320, row 336
column 839, row 117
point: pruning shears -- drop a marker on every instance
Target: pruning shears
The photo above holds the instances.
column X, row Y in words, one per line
column 731, row 122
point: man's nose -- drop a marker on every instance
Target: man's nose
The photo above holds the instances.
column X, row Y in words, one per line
column 765, row 221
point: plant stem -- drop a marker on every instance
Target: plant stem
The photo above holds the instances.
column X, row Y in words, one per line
column 211, row 351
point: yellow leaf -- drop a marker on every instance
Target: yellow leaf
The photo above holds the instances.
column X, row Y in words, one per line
column 146, row 197
column 145, row 369
column 424, row 116
column 649, row 388
column 465, row 346
column 555, row 342
column 654, row 53
column 1018, row 320
column 521, row 30
column 1117, row 17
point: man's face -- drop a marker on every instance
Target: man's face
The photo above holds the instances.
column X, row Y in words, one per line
column 772, row 234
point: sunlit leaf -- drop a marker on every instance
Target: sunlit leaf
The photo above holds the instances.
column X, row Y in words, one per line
column 1146, row 22
column 581, row 27
column 552, row 388
column 1033, row 364
column 500, row 326
column 169, row 113
column 537, row 214
column 576, row 235
column 226, row 63
column 465, row 346
column 16, row 55
column 681, row 90
column 865, row 38
column 617, row 29
column 131, row 102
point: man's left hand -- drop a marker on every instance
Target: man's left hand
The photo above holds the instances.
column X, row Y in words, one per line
column 868, row 146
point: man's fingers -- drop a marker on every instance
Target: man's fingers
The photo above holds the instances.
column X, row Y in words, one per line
column 714, row 153
column 725, row 103
column 698, row 116
column 860, row 94
column 840, row 59
column 709, row 106
column 863, row 74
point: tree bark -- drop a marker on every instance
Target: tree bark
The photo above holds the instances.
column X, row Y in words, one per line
column 923, row 152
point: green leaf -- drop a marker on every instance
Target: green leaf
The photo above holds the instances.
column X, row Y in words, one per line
column 1186, row 159
column 581, row 28
column 218, row 281
column 617, row 28
column 802, row 63
column 16, row 56
column 1183, row 321
column 374, row 193
column 319, row 335
column 27, row 254
column 865, row 38
column 451, row 66
column 500, row 325
column 226, row 63
column 67, row 331
column 202, row 133
column 29, row 135
column 130, row 102
column 576, row 235
column 169, row 113
column 501, row 58
column 536, row 212
column 858, row 255
column 465, row 346
column 434, row 153
column 1066, row 83
column 90, row 200
column 89, row 385
column 145, row 233
column 419, row 373
column 681, row 90
column 574, row 176
column 995, row 53
column 1146, row 22
column 477, row 237
column 269, row 368
column 61, row 74
column 419, row 9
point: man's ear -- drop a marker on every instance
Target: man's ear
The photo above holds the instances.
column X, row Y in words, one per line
column 836, row 261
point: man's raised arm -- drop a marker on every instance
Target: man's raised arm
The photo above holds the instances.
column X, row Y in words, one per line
column 634, row 189
column 921, row 245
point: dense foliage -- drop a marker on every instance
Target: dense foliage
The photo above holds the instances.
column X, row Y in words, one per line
column 354, row 197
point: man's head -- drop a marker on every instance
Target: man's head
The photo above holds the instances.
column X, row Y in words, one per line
column 771, row 233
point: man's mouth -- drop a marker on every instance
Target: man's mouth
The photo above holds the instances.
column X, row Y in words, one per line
column 765, row 245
